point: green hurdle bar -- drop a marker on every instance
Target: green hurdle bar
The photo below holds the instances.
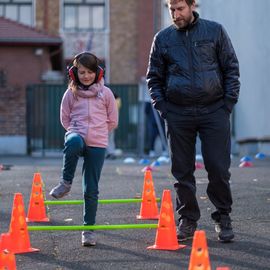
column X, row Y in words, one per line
column 106, row 201
column 92, row 227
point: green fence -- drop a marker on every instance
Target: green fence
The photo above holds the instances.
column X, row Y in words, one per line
column 44, row 130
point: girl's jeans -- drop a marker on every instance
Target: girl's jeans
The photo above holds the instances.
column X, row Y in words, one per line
column 92, row 166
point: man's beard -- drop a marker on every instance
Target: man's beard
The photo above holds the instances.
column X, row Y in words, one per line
column 183, row 23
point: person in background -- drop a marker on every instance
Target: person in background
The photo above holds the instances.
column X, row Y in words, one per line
column 111, row 145
column 88, row 113
column 193, row 81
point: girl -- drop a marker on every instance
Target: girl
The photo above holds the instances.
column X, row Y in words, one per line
column 88, row 113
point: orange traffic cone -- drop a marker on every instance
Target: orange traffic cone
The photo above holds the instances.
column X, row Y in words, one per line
column 5, row 241
column 166, row 237
column 17, row 239
column 149, row 209
column 36, row 208
column 199, row 258
column 7, row 260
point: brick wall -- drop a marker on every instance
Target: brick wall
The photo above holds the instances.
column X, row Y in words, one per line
column 148, row 22
column 12, row 108
column 48, row 16
column 132, row 27
column 18, row 76
column 123, row 41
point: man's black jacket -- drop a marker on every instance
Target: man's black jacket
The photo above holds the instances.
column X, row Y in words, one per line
column 193, row 70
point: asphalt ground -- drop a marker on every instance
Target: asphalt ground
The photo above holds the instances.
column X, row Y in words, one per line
column 127, row 249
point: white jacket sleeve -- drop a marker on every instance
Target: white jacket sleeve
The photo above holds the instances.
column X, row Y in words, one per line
column 65, row 109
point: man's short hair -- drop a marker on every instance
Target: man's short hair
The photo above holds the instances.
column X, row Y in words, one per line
column 189, row 2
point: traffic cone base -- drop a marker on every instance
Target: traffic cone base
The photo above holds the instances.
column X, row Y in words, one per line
column 7, row 242
column 149, row 209
column 26, row 250
column 166, row 238
column 17, row 239
column 37, row 209
column 169, row 247
column 40, row 220
column 149, row 218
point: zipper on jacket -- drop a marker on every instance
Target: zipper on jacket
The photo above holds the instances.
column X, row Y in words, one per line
column 88, row 118
column 190, row 62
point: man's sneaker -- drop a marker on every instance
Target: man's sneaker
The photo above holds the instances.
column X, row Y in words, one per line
column 61, row 190
column 223, row 227
column 186, row 229
column 88, row 238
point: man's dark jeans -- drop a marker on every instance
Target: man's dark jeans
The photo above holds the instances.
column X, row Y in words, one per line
column 214, row 133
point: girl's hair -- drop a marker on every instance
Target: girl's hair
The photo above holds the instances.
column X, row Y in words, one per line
column 87, row 60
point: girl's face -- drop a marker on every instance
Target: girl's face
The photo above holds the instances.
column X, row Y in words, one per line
column 85, row 75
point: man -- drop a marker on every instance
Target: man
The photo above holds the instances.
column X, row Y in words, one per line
column 193, row 80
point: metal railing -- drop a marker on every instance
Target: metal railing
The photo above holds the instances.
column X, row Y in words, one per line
column 44, row 130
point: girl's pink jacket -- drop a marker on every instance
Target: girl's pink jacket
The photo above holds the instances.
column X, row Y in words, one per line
column 92, row 114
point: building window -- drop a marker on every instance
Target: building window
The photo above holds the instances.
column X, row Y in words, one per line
column 17, row 10
column 80, row 15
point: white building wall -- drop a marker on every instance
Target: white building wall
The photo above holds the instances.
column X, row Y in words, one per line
column 13, row 145
column 248, row 26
